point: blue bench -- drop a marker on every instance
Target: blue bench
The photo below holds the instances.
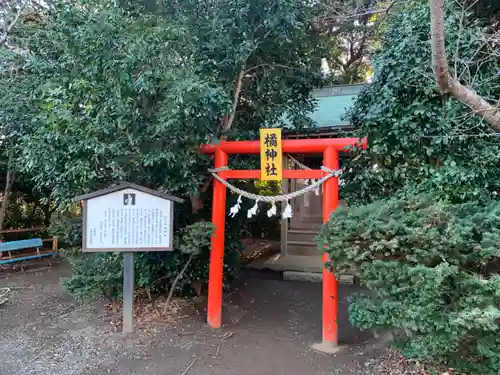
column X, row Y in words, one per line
column 15, row 250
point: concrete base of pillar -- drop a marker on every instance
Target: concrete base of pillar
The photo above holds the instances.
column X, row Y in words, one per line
column 327, row 348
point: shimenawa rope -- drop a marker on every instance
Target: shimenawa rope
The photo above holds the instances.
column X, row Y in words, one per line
column 273, row 198
column 287, row 212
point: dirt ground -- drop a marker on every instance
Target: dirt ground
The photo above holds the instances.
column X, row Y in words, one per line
column 269, row 326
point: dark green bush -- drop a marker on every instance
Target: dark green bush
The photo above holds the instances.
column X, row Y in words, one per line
column 67, row 227
column 95, row 274
column 101, row 273
column 432, row 271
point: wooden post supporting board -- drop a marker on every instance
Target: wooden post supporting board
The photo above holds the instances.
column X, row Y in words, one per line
column 128, row 292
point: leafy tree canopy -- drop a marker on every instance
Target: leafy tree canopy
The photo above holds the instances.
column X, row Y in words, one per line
column 100, row 92
column 97, row 91
column 419, row 139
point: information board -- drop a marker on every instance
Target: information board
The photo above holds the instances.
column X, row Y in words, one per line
column 127, row 220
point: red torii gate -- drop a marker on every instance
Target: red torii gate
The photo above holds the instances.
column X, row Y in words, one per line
column 330, row 147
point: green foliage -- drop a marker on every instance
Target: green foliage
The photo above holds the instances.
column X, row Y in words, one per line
column 428, row 254
column 262, row 226
column 25, row 211
column 109, row 94
column 432, row 271
column 98, row 91
column 101, row 273
column 67, row 227
column 95, row 274
column 196, row 237
column 416, row 137
column 26, row 208
column 353, row 27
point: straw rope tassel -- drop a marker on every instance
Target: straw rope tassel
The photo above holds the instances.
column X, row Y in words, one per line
column 272, row 211
column 287, row 212
column 236, row 208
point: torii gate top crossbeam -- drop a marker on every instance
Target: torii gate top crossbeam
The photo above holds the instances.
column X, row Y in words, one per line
column 290, row 146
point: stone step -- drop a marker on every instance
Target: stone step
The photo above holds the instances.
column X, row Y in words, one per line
column 315, row 277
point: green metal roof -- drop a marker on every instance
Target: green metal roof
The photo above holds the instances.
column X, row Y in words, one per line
column 332, row 104
column 330, row 110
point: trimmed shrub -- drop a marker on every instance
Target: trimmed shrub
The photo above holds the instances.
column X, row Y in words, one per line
column 431, row 268
column 94, row 274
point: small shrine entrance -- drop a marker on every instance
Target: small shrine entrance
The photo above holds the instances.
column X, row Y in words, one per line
column 328, row 176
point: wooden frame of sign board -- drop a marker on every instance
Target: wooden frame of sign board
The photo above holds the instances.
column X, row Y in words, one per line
column 117, row 188
column 129, row 231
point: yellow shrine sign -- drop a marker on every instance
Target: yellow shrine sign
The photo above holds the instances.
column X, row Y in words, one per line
column 271, row 155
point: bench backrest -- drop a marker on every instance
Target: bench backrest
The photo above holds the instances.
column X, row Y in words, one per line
column 20, row 245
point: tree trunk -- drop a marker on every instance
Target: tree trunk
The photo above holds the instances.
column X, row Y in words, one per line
column 31, row 216
column 448, row 84
column 439, row 61
column 174, row 284
column 8, row 29
column 6, row 194
column 47, row 214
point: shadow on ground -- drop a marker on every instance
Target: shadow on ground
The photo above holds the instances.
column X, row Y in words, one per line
column 269, row 325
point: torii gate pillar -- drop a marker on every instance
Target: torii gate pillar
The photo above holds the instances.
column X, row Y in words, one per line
column 330, row 286
column 216, row 266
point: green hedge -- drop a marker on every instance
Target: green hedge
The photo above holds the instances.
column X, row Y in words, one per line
column 94, row 274
column 432, row 272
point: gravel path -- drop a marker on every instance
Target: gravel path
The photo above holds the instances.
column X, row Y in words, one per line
column 269, row 325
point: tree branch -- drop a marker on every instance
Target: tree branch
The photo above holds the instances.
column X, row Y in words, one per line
column 174, row 284
column 356, row 15
column 446, row 83
column 439, row 61
column 9, row 181
column 266, row 65
column 3, row 38
column 230, row 118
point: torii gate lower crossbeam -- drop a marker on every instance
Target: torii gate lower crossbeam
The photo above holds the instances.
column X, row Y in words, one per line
column 330, row 148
